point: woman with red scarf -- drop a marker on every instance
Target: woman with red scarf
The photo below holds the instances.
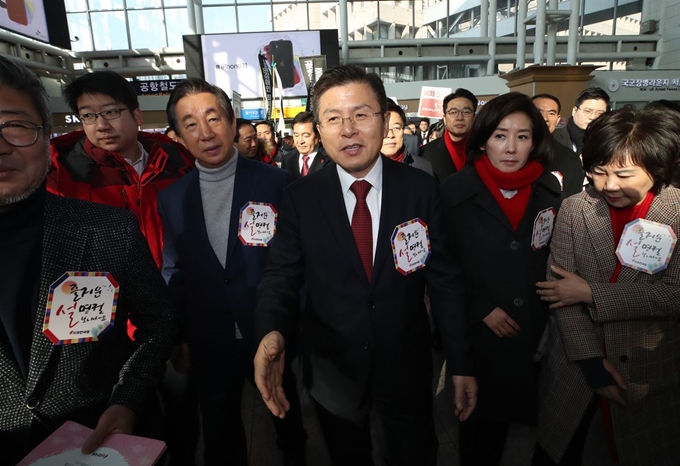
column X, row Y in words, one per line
column 500, row 211
column 614, row 287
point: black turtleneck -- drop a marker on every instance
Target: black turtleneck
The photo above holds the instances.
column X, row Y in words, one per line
column 576, row 135
column 21, row 231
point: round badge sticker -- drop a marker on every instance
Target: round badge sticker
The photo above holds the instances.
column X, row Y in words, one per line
column 257, row 224
column 411, row 246
column 646, row 246
column 543, row 228
column 81, row 307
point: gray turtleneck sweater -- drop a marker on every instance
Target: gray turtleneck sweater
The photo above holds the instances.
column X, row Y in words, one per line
column 217, row 194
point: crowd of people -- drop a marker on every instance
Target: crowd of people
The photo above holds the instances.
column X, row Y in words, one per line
column 541, row 255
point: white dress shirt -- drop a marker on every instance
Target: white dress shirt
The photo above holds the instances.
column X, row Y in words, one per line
column 140, row 164
column 301, row 162
column 373, row 198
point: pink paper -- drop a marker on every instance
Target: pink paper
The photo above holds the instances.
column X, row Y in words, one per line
column 62, row 448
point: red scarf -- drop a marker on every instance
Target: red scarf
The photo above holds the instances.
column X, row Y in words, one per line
column 399, row 156
column 521, row 180
column 619, row 218
column 456, row 150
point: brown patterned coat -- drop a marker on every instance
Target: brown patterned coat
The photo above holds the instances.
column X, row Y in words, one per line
column 637, row 319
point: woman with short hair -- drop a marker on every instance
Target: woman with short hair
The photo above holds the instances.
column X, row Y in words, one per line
column 614, row 329
column 500, row 211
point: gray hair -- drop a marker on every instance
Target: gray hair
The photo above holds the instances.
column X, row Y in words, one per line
column 19, row 78
column 195, row 86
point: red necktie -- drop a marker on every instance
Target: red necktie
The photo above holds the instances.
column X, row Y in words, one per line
column 305, row 165
column 362, row 227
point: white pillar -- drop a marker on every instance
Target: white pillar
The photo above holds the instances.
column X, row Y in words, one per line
column 491, row 14
column 572, row 42
column 521, row 33
column 552, row 36
column 539, row 41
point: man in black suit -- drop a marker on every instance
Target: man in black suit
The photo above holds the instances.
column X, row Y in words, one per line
column 48, row 246
column 423, row 131
column 217, row 223
column 447, row 154
column 365, row 339
column 590, row 104
column 308, row 156
column 566, row 164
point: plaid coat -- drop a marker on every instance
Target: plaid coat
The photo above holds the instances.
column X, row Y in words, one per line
column 78, row 382
column 637, row 319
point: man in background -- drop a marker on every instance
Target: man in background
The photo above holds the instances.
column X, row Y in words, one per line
column 447, row 154
column 308, row 156
column 589, row 105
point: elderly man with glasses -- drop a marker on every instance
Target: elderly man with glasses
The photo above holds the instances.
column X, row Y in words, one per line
column 447, row 154
column 51, row 250
column 590, row 105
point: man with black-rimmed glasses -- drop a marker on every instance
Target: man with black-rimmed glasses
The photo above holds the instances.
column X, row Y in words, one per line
column 110, row 161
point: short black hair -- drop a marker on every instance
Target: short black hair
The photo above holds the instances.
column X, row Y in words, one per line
column 17, row 77
column 239, row 123
column 495, row 111
column 392, row 106
column 196, row 86
column 426, row 120
column 305, row 117
column 265, row 122
column 102, row 82
column 348, row 74
column 460, row 93
column 551, row 97
column 592, row 93
column 648, row 138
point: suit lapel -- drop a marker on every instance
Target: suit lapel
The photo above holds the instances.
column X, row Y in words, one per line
column 245, row 190
column 319, row 161
column 486, row 201
column 333, row 208
column 599, row 226
column 391, row 215
column 63, row 245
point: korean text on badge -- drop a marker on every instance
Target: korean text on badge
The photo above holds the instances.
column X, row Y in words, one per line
column 543, row 228
column 257, row 224
column 81, row 307
column 646, row 246
column 411, row 246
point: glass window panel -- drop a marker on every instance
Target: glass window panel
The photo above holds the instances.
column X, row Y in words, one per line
column 326, row 15
column 110, row 30
column 175, row 2
column 290, row 17
column 254, row 18
column 145, row 3
column 218, row 2
column 242, row 2
column 219, row 19
column 107, row 5
column 75, row 5
column 177, row 23
column 80, row 28
column 147, row 29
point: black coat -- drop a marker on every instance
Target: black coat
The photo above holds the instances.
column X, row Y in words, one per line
column 500, row 270
column 568, row 164
column 438, row 155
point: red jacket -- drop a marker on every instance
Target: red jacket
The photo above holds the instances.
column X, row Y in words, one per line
column 83, row 171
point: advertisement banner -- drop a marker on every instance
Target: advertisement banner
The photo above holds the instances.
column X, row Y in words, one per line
column 267, row 83
column 231, row 61
column 431, row 99
column 312, row 69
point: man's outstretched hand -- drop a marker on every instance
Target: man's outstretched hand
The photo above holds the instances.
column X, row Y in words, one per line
column 269, row 362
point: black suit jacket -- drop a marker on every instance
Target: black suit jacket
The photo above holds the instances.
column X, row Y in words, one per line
column 438, row 155
column 561, row 136
column 291, row 162
column 568, row 164
column 361, row 338
column 79, row 381
column 212, row 297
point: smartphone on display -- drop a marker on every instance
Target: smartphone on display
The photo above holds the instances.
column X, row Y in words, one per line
column 18, row 11
column 282, row 53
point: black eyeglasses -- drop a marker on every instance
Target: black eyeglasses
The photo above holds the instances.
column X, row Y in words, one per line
column 20, row 133
column 90, row 118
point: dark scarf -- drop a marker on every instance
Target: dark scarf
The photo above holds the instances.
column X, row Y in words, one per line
column 21, row 234
column 521, row 180
column 456, row 150
column 576, row 135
